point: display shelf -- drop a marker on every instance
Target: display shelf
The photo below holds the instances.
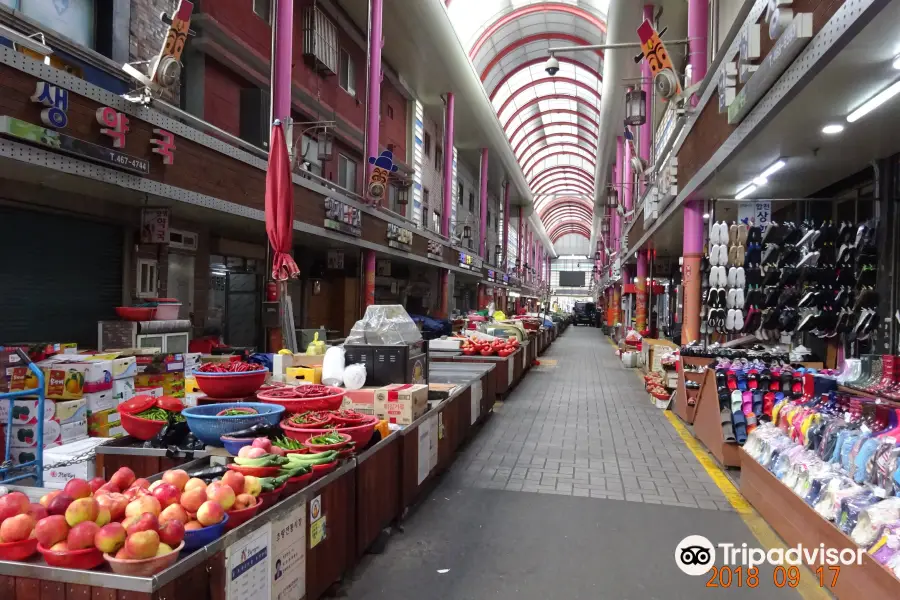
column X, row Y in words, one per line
column 685, row 411
column 708, row 423
column 797, row 523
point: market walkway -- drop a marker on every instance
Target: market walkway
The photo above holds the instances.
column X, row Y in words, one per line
column 576, row 488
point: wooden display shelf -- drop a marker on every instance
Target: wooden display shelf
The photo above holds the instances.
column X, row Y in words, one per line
column 685, row 411
column 708, row 423
column 797, row 523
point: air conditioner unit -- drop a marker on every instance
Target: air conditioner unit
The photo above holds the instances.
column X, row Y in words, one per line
column 320, row 41
column 183, row 240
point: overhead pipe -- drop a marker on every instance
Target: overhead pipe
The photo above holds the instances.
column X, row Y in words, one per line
column 621, row 28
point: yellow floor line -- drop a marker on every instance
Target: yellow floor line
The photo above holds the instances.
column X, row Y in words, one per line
column 766, row 536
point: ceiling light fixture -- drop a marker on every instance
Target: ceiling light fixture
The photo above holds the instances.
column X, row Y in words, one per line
column 745, row 192
column 763, row 177
column 896, row 63
column 832, row 129
column 874, row 102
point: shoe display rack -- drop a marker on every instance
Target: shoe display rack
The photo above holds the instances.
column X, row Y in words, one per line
column 876, row 376
column 691, row 376
column 710, row 425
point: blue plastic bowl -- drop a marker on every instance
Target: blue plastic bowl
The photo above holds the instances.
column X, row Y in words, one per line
column 201, row 537
column 209, row 428
column 234, row 445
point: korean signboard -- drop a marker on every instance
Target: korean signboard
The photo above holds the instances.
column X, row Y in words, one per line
column 435, row 250
column 399, row 238
column 756, row 212
column 154, row 225
column 342, row 217
column 468, row 261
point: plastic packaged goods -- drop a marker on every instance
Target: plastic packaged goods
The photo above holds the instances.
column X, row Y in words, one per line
column 355, row 376
column 333, row 366
column 386, row 324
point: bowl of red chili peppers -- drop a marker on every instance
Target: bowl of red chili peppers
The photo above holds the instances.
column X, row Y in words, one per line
column 304, row 398
column 230, row 379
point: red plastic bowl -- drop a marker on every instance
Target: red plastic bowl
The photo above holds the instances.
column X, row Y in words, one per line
column 267, row 499
column 133, row 313
column 255, row 471
column 295, row 484
column 321, row 423
column 336, row 418
column 142, row 429
column 89, row 558
column 319, row 471
column 361, row 434
column 237, row 518
column 299, row 405
column 18, row 550
column 316, row 448
column 230, row 385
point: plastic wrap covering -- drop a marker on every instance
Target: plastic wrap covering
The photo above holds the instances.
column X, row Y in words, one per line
column 385, row 324
column 333, row 366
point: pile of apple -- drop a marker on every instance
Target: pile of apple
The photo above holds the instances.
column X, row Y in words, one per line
column 126, row 517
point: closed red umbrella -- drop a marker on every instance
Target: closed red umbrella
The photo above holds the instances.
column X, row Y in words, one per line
column 280, row 207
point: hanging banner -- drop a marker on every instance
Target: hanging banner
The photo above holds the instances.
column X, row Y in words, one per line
column 154, row 225
column 758, row 212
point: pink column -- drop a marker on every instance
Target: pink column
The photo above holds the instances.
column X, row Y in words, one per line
column 506, row 227
column 641, row 291
column 482, row 231
column 373, row 86
column 627, row 180
column 369, row 272
column 692, row 249
column 646, row 134
column 520, row 240
column 448, row 166
column 281, row 80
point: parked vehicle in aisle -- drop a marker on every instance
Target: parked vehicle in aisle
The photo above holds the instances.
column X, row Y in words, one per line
column 585, row 313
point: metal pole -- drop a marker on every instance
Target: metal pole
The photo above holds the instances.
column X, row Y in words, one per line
column 622, row 46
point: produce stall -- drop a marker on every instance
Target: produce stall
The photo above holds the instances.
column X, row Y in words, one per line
column 477, row 375
column 508, row 372
column 145, row 462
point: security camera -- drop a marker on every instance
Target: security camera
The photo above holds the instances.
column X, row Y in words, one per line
column 551, row 66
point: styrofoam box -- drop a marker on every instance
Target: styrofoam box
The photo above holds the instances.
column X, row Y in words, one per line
column 56, row 478
column 100, row 401
column 123, row 390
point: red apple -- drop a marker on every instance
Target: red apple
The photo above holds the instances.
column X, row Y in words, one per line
column 144, row 522
column 38, row 512
column 107, row 488
column 82, row 535
column 221, row 493
column 123, row 478
column 193, row 526
column 141, row 483
column 59, row 504
column 51, row 530
column 142, row 505
column 122, row 554
column 78, row 488
column 174, row 512
column 103, row 516
column 48, row 497
column 167, row 494
column 171, row 533
column 82, row 509
column 17, row 528
column 195, row 482
column 115, row 503
column 177, row 477
column 210, row 513
column 96, row 483
column 234, row 480
column 12, row 504
column 142, row 544
column 110, row 538
column 60, row 547
column 192, row 499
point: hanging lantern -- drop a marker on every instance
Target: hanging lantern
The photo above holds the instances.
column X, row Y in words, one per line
column 403, row 192
column 604, row 227
column 325, row 144
column 612, row 198
column 497, row 250
column 635, row 107
column 597, row 255
column 467, row 232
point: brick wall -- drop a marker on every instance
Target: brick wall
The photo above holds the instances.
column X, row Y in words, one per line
column 146, row 29
column 394, row 106
column 222, row 96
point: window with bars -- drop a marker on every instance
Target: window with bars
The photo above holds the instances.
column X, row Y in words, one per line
column 426, row 144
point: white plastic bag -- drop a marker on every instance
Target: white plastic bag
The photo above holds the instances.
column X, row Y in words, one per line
column 355, row 376
column 333, row 366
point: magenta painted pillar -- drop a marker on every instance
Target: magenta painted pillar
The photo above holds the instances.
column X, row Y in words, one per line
column 520, row 241
column 640, row 298
column 692, row 250
column 482, row 231
column 646, row 134
column 448, row 166
column 627, row 180
column 281, row 80
column 373, row 87
column 506, row 227
column 698, row 23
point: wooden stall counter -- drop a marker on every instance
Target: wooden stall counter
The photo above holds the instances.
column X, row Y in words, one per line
column 798, row 523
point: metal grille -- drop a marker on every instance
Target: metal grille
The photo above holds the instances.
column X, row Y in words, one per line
column 60, row 276
column 320, row 39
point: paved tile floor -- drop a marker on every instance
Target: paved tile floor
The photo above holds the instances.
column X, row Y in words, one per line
column 576, row 488
column 581, row 425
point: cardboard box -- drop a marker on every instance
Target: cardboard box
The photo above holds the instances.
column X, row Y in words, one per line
column 64, row 380
column 104, row 424
column 98, row 375
column 124, row 367
column 55, row 433
column 190, row 385
column 100, row 401
column 191, row 361
column 361, row 400
column 25, row 411
column 150, row 360
column 303, row 375
column 123, row 390
column 401, row 403
column 156, row 392
column 171, row 383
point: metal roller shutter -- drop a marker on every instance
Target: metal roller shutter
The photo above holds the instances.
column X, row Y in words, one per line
column 59, row 275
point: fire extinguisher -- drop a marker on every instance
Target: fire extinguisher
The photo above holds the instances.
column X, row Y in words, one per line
column 271, row 292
